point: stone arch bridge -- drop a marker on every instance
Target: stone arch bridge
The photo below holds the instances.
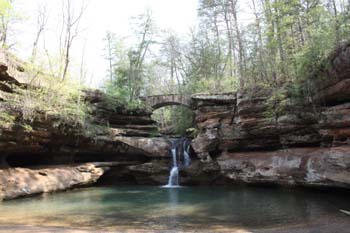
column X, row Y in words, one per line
column 158, row 101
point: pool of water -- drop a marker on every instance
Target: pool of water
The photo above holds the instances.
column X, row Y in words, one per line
column 132, row 207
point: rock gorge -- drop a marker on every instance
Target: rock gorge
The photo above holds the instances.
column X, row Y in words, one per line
column 238, row 141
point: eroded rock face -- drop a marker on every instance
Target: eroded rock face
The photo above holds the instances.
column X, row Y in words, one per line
column 151, row 173
column 17, row 182
column 199, row 173
column 126, row 132
column 126, row 137
column 303, row 144
column 298, row 166
column 332, row 83
column 245, row 125
column 151, row 147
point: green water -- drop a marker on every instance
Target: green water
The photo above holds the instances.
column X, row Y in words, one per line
column 132, row 207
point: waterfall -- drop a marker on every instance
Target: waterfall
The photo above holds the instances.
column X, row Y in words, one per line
column 186, row 152
column 180, row 153
column 174, row 173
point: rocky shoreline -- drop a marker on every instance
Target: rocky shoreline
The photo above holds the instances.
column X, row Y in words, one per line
column 334, row 225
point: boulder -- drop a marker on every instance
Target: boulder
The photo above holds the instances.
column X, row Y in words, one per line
column 151, row 173
column 18, row 182
column 199, row 173
column 152, row 147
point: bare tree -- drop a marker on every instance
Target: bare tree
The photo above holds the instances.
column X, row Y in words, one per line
column 4, row 30
column 336, row 20
column 41, row 25
column 83, row 70
column 70, row 30
column 229, row 32
column 263, row 73
column 7, row 17
column 145, row 31
column 109, row 56
column 171, row 51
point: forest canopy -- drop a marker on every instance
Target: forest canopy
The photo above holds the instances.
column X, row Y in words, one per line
column 283, row 43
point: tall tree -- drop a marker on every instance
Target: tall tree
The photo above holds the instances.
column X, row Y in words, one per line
column 69, row 31
column 8, row 16
column 145, row 30
column 41, row 22
column 109, row 55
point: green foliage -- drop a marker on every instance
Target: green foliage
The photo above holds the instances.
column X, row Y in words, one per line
column 192, row 132
column 183, row 119
column 5, row 7
column 9, row 16
column 61, row 102
column 283, row 48
column 7, row 120
column 118, row 97
column 174, row 119
column 127, row 66
column 27, row 128
column 211, row 85
column 276, row 104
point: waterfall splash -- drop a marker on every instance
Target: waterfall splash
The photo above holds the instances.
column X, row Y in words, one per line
column 180, row 152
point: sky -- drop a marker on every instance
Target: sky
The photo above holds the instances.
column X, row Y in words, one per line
column 102, row 16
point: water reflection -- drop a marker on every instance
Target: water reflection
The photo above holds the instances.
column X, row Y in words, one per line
column 173, row 199
column 159, row 208
column 173, row 204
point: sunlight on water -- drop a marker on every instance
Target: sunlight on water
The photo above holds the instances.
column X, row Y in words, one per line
column 159, row 208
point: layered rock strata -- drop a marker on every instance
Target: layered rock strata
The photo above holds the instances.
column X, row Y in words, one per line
column 289, row 143
column 123, row 138
column 243, row 137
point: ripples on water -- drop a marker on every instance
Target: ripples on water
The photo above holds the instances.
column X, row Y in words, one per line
column 130, row 207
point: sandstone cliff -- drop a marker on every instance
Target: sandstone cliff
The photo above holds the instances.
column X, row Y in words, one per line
column 122, row 139
column 304, row 144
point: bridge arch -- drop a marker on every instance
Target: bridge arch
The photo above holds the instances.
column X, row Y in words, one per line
column 159, row 101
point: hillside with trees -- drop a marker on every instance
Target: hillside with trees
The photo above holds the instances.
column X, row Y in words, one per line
column 235, row 46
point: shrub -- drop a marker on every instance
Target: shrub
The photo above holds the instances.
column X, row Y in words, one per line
column 60, row 102
column 7, row 120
